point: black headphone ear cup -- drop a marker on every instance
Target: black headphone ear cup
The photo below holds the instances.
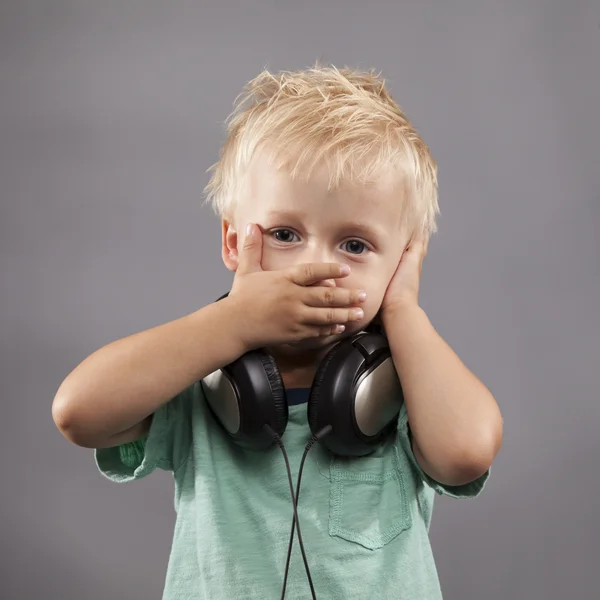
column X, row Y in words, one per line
column 339, row 391
column 278, row 411
column 314, row 399
column 246, row 395
column 254, row 396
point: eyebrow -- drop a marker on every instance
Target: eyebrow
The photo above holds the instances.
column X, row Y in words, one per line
column 285, row 214
column 362, row 229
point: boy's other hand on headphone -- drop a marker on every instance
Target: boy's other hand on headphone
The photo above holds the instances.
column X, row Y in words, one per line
column 300, row 302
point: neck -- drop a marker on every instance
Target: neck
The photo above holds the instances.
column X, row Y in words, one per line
column 297, row 367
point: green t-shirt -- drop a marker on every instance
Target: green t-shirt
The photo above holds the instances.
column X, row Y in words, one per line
column 364, row 521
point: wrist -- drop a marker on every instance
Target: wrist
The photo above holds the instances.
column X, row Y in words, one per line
column 237, row 325
column 402, row 309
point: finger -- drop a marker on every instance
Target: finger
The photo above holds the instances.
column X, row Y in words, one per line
column 329, row 330
column 332, row 316
column 419, row 244
column 416, row 249
column 325, row 282
column 251, row 255
column 309, row 273
column 333, row 297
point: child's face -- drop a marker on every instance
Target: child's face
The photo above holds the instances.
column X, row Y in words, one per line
column 304, row 222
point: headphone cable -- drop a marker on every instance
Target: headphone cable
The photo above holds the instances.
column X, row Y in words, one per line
column 295, row 520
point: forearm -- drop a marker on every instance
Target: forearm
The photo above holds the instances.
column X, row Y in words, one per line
column 455, row 421
column 121, row 384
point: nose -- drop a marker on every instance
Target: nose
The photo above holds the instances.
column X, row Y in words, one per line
column 318, row 252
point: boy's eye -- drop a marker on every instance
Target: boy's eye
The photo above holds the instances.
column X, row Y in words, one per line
column 284, row 235
column 355, row 246
column 287, row 236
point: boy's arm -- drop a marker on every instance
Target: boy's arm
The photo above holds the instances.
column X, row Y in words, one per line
column 109, row 399
column 455, row 423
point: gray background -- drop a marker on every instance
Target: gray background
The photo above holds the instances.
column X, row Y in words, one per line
column 110, row 114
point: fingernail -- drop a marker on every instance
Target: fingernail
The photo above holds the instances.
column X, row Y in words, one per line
column 362, row 296
column 344, row 269
column 359, row 313
column 249, row 229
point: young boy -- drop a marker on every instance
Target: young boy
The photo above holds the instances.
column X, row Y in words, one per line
column 320, row 169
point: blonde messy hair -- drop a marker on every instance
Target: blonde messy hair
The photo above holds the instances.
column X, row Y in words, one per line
column 342, row 117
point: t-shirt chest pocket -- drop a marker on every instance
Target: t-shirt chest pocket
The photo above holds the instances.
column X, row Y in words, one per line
column 368, row 499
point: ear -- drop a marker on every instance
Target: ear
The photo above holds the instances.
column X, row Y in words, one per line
column 229, row 242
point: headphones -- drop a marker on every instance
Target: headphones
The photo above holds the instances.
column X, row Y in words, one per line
column 356, row 395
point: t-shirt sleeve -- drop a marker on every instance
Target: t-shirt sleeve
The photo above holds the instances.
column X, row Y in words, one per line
column 165, row 446
column 468, row 490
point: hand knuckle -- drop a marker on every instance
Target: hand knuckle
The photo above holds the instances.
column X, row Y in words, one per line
column 308, row 271
column 329, row 296
column 299, row 315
